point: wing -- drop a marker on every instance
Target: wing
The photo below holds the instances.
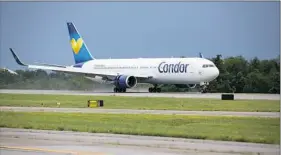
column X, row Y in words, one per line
column 71, row 70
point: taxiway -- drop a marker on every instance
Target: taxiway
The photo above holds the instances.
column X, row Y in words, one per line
column 66, row 142
column 143, row 93
column 131, row 111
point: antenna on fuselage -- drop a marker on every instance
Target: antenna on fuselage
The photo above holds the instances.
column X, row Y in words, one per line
column 201, row 55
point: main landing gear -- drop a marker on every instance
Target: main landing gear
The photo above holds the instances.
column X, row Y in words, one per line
column 119, row 90
column 154, row 89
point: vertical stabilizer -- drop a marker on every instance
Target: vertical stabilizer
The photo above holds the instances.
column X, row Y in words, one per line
column 80, row 51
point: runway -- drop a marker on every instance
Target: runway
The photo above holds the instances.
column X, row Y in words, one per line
column 27, row 141
column 31, row 142
column 138, row 93
column 130, row 111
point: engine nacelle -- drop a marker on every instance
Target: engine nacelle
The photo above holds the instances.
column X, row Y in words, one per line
column 123, row 81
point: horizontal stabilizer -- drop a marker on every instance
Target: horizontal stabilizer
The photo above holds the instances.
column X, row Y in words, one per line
column 8, row 70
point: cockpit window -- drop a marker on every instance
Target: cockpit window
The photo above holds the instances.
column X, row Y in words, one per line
column 208, row 65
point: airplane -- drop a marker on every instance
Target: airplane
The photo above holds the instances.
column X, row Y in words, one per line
column 127, row 73
column 8, row 70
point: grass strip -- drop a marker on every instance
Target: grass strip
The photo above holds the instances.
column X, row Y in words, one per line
column 242, row 129
column 147, row 103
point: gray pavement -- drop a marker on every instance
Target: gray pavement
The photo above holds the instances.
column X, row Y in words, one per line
column 21, row 151
column 18, row 141
column 144, row 93
column 24, row 141
column 130, row 111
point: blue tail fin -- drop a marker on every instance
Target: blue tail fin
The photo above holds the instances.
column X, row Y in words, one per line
column 80, row 51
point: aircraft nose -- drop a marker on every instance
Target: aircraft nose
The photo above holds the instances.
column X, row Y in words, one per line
column 216, row 72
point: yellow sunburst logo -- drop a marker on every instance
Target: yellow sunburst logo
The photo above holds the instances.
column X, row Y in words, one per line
column 76, row 45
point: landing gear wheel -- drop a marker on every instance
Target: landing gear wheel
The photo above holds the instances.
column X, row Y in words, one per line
column 158, row 90
column 154, row 89
column 116, row 90
column 204, row 89
column 151, row 90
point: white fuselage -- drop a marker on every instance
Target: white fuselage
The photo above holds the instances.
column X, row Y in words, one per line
column 162, row 70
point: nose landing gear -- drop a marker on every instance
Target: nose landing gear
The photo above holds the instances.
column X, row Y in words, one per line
column 204, row 87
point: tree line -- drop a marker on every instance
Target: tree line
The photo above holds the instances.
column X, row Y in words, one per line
column 237, row 75
column 241, row 76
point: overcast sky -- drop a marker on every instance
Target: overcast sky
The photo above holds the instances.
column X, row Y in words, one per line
column 38, row 33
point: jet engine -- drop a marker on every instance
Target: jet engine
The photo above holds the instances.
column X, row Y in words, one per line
column 123, row 81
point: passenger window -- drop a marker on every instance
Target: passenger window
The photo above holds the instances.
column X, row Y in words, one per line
column 208, row 65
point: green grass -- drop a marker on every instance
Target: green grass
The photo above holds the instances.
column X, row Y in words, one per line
column 243, row 129
column 117, row 102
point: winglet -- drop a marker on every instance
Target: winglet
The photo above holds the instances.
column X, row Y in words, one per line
column 17, row 58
